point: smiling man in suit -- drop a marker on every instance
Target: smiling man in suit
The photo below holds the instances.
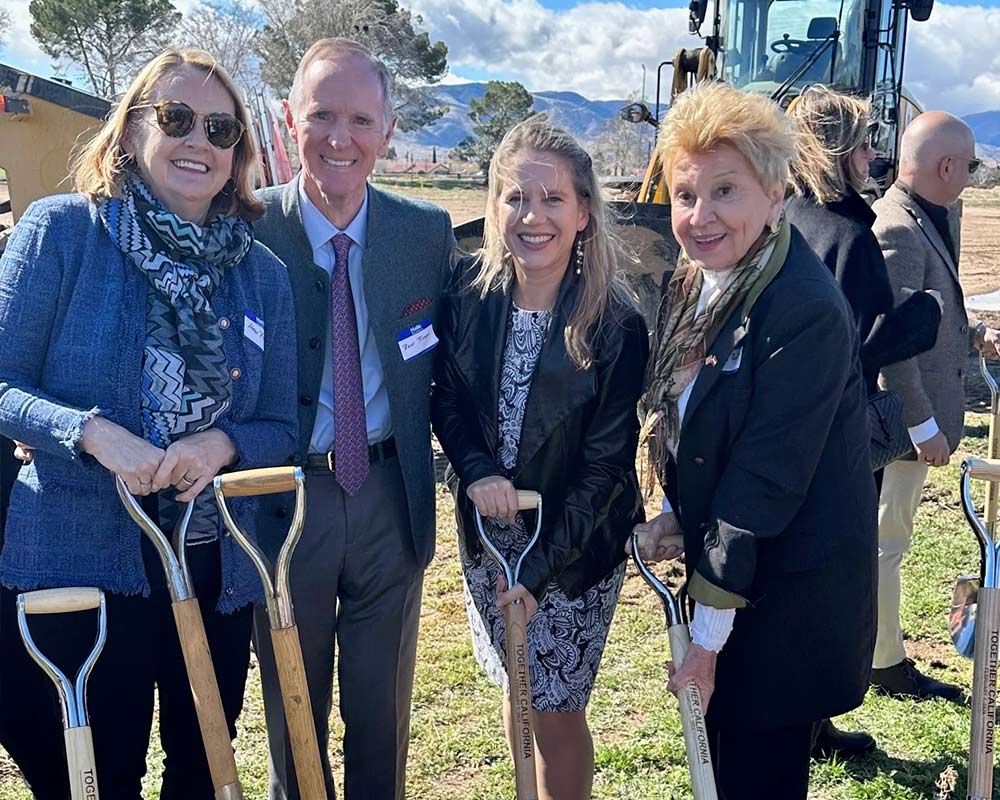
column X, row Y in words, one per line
column 367, row 268
column 917, row 228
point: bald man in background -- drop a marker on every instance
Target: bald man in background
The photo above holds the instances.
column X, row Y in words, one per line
column 917, row 228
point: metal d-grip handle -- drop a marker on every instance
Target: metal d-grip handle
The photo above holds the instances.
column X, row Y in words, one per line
column 252, row 482
column 526, row 500
column 72, row 694
column 174, row 557
column 671, row 605
column 982, row 469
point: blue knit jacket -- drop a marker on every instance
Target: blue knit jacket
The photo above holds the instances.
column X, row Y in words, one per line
column 72, row 331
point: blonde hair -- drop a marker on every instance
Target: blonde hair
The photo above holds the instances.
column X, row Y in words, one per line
column 832, row 126
column 712, row 115
column 329, row 49
column 599, row 276
column 102, row 165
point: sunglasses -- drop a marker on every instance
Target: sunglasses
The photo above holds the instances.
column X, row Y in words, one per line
column 974, row 163
column 177, row 119
column 871, row 133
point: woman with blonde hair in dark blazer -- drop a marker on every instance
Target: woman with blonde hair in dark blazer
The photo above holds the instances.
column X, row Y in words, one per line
column 758, row 424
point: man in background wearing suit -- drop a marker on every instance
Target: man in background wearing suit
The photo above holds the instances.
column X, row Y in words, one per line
column 917, row 228
column 367, row 268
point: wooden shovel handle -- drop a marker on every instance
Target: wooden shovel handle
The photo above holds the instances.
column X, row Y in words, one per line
column 527, row 499
column 81, row 764
column 298, row 713
column 693, row 722
column 207, row 702
column 519, row 699
column 270, row 480
column 984, row 681
column 984, row 469
column 61, row 601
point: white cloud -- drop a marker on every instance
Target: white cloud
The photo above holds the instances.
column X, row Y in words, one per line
column 595, row 48
column 953, row 61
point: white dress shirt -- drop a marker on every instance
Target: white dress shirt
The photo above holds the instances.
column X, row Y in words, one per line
column 320, row 232
column 710, row 627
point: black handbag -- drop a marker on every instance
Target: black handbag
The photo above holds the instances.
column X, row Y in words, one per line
column 890, row 440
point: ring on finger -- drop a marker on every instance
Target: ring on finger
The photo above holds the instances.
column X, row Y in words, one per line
column 189, row 481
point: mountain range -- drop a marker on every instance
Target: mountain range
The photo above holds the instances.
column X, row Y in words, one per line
column 586, row 118
column 582, row 117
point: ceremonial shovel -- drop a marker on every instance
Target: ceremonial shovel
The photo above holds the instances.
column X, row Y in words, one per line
column 692, row 715
column 72, row 695
column 515, row 622
column 974, row 625
column 284, row 632
column 194, row 646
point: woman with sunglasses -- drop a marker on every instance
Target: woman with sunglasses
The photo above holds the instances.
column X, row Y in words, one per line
column 836, row 147
column 145, row 335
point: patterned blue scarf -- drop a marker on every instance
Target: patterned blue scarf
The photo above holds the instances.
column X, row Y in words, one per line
column 185, row 383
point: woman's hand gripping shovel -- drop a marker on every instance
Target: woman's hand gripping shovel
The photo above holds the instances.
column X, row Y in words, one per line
column 72, row 695
column 692, row 715
column 194, row 646
column 284, row 632
column 515, row 620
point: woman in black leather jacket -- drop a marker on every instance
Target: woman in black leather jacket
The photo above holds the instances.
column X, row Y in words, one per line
column 539, row 372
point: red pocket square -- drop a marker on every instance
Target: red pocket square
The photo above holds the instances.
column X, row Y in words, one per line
column 414, row 307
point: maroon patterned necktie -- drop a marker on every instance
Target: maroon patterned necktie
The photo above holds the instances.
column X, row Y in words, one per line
column 350, row 429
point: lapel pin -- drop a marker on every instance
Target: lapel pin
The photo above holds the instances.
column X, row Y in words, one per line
column 711, row 361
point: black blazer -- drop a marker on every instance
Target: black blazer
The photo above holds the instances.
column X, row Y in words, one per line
column 775, row 495
column 840, row 233
column 578, row 438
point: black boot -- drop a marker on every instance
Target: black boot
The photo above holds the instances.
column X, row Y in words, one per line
column 830, row 742
column 904, row 680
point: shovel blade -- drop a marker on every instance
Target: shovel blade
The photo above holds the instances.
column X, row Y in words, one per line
column 962, row 617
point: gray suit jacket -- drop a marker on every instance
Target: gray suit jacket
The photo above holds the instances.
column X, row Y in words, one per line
column 931, row 384
column 407, row 264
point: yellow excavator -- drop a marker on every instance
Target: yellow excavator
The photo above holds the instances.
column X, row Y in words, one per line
column 780, row 47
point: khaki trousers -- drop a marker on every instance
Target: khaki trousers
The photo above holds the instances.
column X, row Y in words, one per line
column 901, row 489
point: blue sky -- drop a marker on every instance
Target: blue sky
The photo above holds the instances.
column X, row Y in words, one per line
column 597, row 47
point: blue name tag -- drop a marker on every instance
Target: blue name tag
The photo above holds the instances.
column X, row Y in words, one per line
column 253, row 329
column 417, row 339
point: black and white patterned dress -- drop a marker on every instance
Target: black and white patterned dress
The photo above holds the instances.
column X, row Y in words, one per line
column 566, row 637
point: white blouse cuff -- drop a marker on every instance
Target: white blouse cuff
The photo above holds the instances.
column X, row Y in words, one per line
column 711, row 627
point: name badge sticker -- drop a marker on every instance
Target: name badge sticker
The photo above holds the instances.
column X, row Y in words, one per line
column 253, row 329
column 417, row 339
column 733, row 362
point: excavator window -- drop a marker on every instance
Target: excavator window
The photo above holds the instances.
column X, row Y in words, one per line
column 767, row 42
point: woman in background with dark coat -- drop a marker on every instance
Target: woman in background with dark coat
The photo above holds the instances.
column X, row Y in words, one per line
column 836, row 148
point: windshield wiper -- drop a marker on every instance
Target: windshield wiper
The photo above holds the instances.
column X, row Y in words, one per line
column 782, row 90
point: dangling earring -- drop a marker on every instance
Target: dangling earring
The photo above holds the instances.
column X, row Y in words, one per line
column 579, row 256
column 775, row 225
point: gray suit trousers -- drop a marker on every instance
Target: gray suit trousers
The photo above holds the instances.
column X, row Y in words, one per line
column 356, row 584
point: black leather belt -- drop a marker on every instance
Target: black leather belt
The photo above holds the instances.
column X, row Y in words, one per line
column 377, row 454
